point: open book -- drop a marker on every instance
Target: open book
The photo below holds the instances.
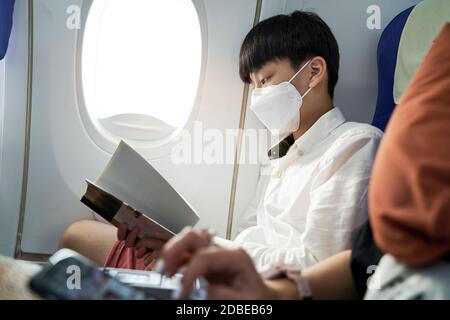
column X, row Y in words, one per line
column 130, row 190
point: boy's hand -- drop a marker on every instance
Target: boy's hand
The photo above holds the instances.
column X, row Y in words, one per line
column 143, row 246
column 150, row 260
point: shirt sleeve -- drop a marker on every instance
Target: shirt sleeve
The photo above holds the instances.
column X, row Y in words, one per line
column 338, row 205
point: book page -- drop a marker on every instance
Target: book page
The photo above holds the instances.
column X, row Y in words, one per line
column 130, row 178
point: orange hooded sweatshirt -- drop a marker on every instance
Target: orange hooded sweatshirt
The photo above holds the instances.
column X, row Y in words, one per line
column 409, row 197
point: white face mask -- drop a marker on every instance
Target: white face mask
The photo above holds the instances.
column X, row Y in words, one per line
column 278, row 106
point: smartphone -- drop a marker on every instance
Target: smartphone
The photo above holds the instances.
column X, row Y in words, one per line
column 77, row 278
column 70, row 276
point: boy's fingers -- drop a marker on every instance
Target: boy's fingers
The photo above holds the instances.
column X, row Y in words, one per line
column 156, row 254
column 130, row 240
column 140, row 252
column 151, row 243
column 122, row 231
column 151, row 266
column 150, row 260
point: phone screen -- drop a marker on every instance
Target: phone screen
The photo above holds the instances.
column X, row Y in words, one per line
column 76, row 279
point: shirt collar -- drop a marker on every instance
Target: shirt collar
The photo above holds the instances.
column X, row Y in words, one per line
column 319, row 130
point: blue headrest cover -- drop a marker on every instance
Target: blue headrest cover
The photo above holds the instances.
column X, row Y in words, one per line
column 387, row 61
column 6, row 16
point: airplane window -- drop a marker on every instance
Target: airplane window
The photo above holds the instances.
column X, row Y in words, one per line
column 141, row 64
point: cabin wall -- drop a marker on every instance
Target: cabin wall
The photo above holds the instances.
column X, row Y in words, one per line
column 12, row 124
column 63, row 154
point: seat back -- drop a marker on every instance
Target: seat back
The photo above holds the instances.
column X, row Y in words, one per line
column 387, row 60
column 6, row 13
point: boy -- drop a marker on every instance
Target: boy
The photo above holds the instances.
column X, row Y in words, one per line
column 317, row 192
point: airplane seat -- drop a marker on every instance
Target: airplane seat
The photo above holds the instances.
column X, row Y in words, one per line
column 6, row 11
column 387, row 51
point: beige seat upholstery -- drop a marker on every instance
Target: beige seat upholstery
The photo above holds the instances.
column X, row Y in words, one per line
column 14, row 277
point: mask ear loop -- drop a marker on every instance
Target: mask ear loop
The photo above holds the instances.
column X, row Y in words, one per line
column 307, row 91
column 304, row 66
column 296, row 74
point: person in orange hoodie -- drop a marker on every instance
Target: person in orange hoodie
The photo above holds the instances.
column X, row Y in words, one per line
column 409, row 197
column 409, row 206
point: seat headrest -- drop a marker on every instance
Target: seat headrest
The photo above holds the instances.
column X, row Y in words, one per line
column 6, row 15
column 387, row 59
column 421, row 28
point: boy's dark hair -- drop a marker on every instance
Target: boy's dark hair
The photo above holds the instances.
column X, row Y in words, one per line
column 297, row 36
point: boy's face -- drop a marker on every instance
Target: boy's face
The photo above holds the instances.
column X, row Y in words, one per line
column 277, row 71
column 316, row 103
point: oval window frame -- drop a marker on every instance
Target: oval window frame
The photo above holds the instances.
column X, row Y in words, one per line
column 108, row 141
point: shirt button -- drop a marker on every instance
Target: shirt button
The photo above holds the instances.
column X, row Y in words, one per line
column 278, row 174
column 300, row 152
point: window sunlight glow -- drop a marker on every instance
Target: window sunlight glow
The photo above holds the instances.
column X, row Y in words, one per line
column 141, row 57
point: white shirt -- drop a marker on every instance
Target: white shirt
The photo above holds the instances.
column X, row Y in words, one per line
column 315, row 196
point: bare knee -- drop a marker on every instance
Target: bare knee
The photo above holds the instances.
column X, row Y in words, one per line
column 74, row 234
column 91, row 238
